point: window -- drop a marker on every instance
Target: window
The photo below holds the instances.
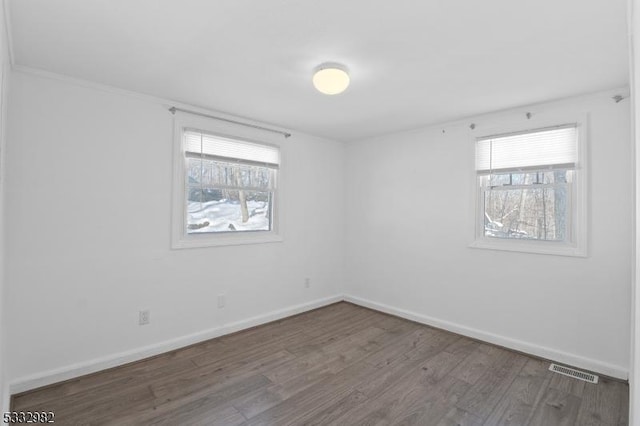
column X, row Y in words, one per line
column 528, row 191
column 226, row 189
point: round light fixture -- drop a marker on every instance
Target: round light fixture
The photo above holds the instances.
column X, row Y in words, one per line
column 331, row 79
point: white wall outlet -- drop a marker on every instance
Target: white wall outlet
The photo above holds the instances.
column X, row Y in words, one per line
column 144, row 317
column 221, row 301
column 307, row 282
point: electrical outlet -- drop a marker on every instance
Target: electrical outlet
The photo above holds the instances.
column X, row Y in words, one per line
column 307, row 282
column 221, row 301
column 144, row 317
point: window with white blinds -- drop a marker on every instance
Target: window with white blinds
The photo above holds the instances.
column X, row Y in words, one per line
column 217, row 147
column 230, row 184
column 528, row 196
column 544, row 148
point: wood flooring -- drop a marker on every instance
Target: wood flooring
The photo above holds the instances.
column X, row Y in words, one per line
column 338, row 365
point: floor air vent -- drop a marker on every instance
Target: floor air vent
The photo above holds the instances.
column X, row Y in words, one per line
column 576, row 374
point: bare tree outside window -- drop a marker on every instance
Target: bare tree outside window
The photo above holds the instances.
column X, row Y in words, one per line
column 230, row 184
column 527, row 185
column 226, row 197
column 530, row 205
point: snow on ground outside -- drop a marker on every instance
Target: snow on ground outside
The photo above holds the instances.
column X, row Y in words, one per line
column 221, row 214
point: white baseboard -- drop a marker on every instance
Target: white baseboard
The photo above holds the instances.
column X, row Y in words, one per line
column 45, row 378
column 540, row 351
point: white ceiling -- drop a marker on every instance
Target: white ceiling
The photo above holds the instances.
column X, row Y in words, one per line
column 412, row 62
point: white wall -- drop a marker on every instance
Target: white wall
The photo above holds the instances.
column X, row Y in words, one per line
column 409, row 215
column 88, row 199
column 4, row 342
column 84, row 164
column 5, row 70
column 634, row 377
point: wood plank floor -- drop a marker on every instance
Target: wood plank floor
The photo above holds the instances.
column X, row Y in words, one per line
column 338, row 365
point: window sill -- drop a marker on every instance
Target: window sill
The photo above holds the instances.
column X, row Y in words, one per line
column 535, row 247
column 201, row 241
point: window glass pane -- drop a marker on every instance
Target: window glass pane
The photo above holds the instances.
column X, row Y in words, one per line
column 227, row 210
column 194, row 171
column 223, row 174
column 530, row 178
column 538, row 213
column 500, row 179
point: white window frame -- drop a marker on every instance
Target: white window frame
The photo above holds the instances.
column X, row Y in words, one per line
column 180, row 238
column 579, row 195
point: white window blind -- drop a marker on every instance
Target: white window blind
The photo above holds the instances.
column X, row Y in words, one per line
column 544, row 148
column 197, row 143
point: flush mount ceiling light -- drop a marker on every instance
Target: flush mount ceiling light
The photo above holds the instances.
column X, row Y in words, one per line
column 331, row 78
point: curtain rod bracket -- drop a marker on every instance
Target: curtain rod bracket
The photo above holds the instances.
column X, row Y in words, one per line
column 618, row 98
